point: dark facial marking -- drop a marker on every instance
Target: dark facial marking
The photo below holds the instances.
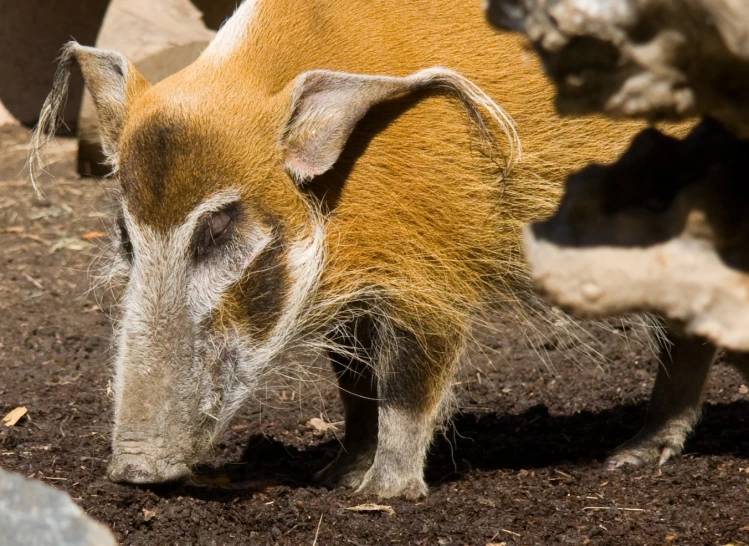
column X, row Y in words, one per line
column 125, row 244
column 264, row 287
column 157, row 159
column 215, row 229
column 162, row 163
column 154, row 146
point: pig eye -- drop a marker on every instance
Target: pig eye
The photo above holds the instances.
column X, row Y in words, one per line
column 215, row 230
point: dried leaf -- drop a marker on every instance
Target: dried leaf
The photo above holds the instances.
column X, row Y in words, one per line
column 321, row 425
column 13, row 417
column 369, row 507
column 13, row 229
column 148, row 515
column 35, row 238
column 69, row 244
column 92, row 235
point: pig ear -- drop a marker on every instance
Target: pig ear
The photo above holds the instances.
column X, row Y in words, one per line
column 325, row 107
column 112, row 80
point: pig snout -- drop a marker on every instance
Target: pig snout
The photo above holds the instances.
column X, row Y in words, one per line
column 138, row 467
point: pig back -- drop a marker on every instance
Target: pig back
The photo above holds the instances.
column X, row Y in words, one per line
column 415, row 202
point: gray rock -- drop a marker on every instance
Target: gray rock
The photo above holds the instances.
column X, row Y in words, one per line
column 34, row 514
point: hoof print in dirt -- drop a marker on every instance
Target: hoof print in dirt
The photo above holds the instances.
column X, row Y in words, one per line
column 34, row 513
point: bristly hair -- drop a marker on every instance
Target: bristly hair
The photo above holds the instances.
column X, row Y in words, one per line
column 50, row 118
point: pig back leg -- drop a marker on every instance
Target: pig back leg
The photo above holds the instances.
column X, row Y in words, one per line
column 413, row 391
column 675, row 403
column 357, row 387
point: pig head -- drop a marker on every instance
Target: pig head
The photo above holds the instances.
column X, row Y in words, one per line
column 206, row 261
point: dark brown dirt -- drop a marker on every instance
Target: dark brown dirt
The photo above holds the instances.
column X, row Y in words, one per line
column 521, row 465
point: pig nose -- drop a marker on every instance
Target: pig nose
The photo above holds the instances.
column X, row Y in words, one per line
column 137, row 469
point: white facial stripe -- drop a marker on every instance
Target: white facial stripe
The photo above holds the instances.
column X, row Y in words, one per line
column 184, row 233
column 306, row 257
column 207, row 285
column 154, row 285
column 180, row 238
column 233, row 33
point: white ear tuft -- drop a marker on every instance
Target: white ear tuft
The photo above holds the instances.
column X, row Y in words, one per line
column 113, row 82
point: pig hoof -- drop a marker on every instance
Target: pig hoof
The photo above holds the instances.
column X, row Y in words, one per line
column 386, row 485
column 345, row 470
column 639, row 453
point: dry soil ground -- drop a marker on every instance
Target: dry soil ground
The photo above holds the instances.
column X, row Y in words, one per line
column 522, row 464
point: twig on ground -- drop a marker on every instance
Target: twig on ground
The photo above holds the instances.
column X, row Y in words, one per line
column 314, row 542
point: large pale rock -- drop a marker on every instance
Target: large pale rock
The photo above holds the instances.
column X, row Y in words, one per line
column 666, row 228
column 6, row 118
column 160, row 37
column 34, row 514
column 641, row 58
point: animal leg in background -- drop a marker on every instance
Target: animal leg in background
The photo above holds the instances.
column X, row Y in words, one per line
column 675, row 403
column 358, row 390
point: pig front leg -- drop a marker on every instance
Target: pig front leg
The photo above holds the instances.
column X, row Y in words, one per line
column 413, row 389
column 675, row 404
column 357, row 386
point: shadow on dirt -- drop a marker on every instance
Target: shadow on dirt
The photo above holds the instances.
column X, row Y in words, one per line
column 531, row 440
column 535, row 439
